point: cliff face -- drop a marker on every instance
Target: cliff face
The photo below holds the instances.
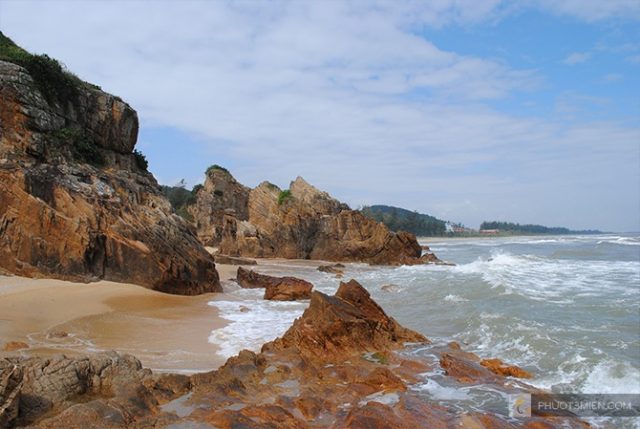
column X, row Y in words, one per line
column 220, row 193
column 76, row 202
column 300, row 223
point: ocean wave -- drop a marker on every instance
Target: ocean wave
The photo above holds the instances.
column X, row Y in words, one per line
column 553, row 280
column 252, row 323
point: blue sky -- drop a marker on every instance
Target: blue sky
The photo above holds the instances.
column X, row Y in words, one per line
column 478, row 110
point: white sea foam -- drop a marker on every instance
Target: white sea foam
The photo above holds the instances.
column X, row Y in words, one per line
column 552, row 279
column 455, row 298
column 252, row 323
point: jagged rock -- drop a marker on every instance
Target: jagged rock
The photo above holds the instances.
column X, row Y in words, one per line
column 349, row 322
column 10, row 385
column 220, row 193
column 300, row 223
column 289, row 289
column 74, row 201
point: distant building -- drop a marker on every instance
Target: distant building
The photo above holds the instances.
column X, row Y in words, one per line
column 490, row 231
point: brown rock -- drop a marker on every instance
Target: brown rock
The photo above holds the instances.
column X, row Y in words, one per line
column 498, row 367
column 332, row 269
column 220, row 193
column 232, row 260
column 12, row 346
column 10, row 385
column 289, row 289
column 308, row 224
column 347, row 323
column 74, row 202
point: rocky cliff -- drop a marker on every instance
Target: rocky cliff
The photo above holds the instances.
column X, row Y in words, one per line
column 301, row 222
column 220, row 193
column 76, row 201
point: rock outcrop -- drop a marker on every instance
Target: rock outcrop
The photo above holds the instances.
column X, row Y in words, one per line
column 276, row 288
column 288, row 291
column 220, row 193
column 338, row 366
column 76, row 201
column 299, row 223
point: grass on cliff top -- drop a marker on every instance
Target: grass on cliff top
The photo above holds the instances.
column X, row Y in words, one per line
column 215, row 167
column 284, row 196
column 53, row 80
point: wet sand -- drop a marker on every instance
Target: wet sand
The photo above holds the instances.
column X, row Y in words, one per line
column 166, row 332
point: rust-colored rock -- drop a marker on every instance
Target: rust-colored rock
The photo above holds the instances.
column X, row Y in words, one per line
column 75, row 202
column 349, row 322
column 12, row 346
column 220, row 193
column 337, row 367
column 498, row 367
column 300, row 223
column 288, row 289
column 276, row 288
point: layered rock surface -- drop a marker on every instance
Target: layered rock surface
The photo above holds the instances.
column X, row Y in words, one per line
column 299, row 223
column 77, row 203
column 338, row 366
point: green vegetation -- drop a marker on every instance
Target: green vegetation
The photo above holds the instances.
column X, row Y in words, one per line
column 82, row 147
column 214, row 167
column 284, row 196
column 516, row 228
column 399, row 219
column 52, row 79
column 181, row 198
column 141, row 160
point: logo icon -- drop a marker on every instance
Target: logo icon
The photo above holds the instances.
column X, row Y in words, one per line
column 520, row 405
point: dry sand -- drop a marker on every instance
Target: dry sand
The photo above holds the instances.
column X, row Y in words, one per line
column 166, row 332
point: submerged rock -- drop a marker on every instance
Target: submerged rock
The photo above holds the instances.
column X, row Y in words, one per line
column 76, row 201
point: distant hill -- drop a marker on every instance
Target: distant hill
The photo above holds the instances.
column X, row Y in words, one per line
column 399, row 219
column 516, row 228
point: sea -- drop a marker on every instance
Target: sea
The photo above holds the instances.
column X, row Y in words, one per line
column 566, row 308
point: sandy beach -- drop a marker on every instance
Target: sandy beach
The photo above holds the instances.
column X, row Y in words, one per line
column 166, row 332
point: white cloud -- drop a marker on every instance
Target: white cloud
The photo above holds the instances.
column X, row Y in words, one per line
column 343, row 93
column 577, row 58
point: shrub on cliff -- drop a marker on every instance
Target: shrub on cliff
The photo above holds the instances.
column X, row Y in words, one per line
column 52, row 79
column 284, row 196
column 141, row 160
column 83, row 149
column 214, row 167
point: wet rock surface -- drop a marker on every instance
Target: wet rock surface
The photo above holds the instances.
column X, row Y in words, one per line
column 342, row 364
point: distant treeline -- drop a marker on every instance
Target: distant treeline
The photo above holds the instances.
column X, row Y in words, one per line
column 531, row 229
column 399, row 219
column 181, row 198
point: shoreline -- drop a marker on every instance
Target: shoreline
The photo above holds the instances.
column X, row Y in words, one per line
column 168, row 333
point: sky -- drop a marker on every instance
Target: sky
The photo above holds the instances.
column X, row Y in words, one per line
column 469, row 110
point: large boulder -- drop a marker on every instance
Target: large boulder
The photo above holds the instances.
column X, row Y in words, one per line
column 76, row 202
column 276, row 288
column 350, row 322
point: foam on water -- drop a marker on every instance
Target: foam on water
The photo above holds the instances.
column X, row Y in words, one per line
column 566, row 308
column 252, row 323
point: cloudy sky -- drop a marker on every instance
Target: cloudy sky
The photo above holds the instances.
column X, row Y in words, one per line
column 469, row 110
